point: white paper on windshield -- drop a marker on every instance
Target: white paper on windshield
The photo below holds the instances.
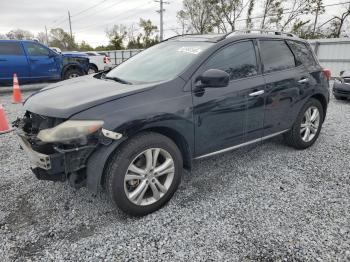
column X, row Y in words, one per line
column 192, row 50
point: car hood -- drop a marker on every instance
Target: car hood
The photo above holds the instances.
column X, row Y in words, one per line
column 66, row 98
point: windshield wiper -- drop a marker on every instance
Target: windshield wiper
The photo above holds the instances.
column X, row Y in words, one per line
column 117, row 79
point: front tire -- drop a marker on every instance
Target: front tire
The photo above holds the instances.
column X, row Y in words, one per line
column 144, row 173
column 92, row 69
column 307, row 126
column 72, row 73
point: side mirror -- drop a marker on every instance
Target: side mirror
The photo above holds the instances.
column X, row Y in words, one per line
column 214, row 78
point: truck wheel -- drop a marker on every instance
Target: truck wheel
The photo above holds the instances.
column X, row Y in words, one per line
column 92, row 69
column 72, row 73
column 307, row 126
column 144, row 173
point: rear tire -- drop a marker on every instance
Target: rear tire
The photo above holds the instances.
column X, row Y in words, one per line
column 72, row 73
column 92, row 69
column 298, row 136
column 132, row 184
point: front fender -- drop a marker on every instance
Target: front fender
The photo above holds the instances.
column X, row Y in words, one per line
column 96, row 164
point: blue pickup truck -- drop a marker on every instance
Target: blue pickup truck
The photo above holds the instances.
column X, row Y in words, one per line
column 32, row 62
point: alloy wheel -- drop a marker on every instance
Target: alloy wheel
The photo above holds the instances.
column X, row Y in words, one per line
column 310, row 124
column 149, row 176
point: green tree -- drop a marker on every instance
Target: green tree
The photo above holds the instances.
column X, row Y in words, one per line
column 61, row 39
column 83, row 46
column 117, row 35
column 149, row 38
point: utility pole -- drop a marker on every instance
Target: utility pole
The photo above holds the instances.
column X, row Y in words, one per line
column 47, row 38
column 316, row 16
column 160, row 11
column 70, row 26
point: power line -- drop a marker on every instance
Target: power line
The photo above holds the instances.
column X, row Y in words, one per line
column 89, row 8
column 100, row 10
column 111, row 21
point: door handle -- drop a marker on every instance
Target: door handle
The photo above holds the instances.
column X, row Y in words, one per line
column 303, row 80
column 257, row 93
column 33, row 60
column 3, row 60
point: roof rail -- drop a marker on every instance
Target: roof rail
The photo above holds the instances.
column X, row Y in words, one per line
column 262, row 31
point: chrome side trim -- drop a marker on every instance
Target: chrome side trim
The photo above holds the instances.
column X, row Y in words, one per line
column 243, row 144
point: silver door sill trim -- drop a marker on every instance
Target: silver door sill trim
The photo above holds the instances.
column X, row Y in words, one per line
column 243, row 144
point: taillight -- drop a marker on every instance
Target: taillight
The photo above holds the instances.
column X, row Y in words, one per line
column 327, row 73
column 106, row 60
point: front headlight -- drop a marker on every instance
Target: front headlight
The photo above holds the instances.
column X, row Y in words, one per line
column 69, row 130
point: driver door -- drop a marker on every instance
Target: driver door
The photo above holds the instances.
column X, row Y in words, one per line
column 221, row 114
column 42, row 61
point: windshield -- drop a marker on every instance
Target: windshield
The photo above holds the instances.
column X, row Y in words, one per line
column 160, row 62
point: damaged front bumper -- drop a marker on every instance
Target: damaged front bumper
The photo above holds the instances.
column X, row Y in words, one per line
column 59, row 165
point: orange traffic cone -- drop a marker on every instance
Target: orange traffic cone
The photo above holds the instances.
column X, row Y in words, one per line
column 4, row 126
column 16, row 96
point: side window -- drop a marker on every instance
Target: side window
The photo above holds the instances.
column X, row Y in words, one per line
column 37, row 50
column 276, row 55
column 238, row 60
column 10, row 48
column 303, row 53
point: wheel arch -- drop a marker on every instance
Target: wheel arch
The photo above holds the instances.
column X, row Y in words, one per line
column 322, row 99
column 71, row 66
column 97, row 163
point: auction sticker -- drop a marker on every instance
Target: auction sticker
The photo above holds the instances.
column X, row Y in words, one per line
column 192, row 50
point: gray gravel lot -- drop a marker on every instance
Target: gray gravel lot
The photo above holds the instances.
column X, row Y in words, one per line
column 266, row 202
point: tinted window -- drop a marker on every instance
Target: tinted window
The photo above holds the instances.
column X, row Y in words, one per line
column 37, row 50
column 303, row 53
column 276, row 55
column 238, row 60
column 159, row 62
column 8, row 48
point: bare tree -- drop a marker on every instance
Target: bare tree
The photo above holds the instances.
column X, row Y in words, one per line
column 272, row 13
column 198, row 15
column 249, row 23
column 339, row 21
column 19, row 34
column 41, row 36
column 297, row 9
column 225, row 13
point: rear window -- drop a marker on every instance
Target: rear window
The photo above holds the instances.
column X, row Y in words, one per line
column 276, row 55
column 8, row 48
column 303, row 53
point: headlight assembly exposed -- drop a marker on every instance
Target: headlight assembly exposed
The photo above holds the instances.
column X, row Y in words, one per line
column 70, row 130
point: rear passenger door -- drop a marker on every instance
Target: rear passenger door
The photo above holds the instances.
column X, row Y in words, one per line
column 13, row 60
column 281, row 74
column 224, row 116
column 43, row 62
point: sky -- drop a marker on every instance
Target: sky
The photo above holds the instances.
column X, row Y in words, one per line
column 91, row 18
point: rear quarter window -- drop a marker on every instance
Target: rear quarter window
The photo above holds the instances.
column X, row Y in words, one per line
column 8, row 48
column 303, row 53
column 276, row 55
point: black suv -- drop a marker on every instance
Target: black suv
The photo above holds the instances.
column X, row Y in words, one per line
column 131, row 131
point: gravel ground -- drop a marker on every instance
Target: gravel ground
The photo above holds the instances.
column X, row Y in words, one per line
column 266, row 202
